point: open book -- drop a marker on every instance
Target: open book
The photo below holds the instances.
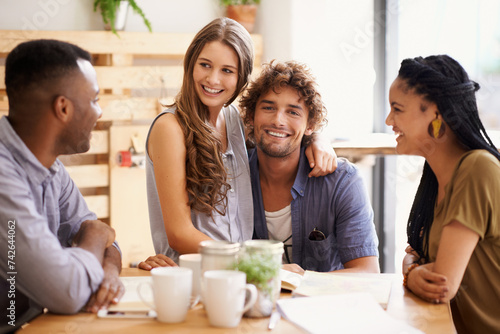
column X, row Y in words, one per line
column 289, row 280
column 316, row 284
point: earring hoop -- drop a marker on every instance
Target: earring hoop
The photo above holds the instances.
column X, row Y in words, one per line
column 436, row 128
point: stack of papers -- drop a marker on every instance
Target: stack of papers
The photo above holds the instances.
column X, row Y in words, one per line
column 342, row 313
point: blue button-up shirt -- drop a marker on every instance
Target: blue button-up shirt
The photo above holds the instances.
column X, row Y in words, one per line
column 40, row 212
column 336, row 204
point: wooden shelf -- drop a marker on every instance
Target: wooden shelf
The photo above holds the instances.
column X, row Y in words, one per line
column 368, row 144
column 161, row 45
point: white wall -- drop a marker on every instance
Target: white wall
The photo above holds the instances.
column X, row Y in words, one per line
column 274, row 22
column 48, row 15
column 165, row 15
column 332, row 37
column 335, row 39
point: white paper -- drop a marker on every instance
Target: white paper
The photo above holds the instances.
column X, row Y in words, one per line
column 131, row 300
column 341, row 313
column 319, row 284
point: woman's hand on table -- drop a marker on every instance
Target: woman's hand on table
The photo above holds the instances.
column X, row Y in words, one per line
column 155, row 261
column 426, row 284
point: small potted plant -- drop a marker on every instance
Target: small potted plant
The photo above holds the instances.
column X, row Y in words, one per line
column 114, row 13
column 242, row 11
column 261, row 261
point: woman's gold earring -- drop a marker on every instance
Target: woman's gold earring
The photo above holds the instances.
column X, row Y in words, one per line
column 436, row 128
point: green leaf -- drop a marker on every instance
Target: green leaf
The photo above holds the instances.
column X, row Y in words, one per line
column 260, row 269
column 239, row 2
column 108, row 12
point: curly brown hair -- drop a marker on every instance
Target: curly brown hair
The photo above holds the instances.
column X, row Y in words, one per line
column 275, row 75
column 205, row 172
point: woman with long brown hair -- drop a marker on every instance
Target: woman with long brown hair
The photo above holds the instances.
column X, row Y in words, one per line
column 197, row 165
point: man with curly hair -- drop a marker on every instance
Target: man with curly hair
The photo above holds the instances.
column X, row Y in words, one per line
column 326, row 223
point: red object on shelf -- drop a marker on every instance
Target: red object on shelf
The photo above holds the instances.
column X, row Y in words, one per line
column 124, row 158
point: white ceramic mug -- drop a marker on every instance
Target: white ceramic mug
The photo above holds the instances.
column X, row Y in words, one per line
column 192, row 261
column 172, row 293
column 224, row 293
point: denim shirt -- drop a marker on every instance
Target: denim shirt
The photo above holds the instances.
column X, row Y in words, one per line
column 336, row 204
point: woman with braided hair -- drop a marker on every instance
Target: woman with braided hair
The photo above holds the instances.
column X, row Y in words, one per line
column 454, row 224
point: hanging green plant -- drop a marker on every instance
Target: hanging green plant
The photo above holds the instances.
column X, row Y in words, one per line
column 109, row 9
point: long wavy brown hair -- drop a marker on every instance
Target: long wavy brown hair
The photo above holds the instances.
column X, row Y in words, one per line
column 205, row 172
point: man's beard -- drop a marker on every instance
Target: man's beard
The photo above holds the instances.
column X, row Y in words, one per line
column 267, row 149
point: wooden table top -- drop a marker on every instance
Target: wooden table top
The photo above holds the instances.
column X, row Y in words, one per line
column 402, row 305
column 368, row 144
column 380, row 144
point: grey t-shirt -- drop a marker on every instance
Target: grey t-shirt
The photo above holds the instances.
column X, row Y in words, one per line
column 237, row 224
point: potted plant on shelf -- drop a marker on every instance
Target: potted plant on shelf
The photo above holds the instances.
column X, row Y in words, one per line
column 114, row 13
column 242, row 11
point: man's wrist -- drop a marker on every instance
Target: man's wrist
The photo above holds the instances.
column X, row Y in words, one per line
column 112, row 259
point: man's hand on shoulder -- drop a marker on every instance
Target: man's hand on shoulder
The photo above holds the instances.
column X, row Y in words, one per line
column 321, row 156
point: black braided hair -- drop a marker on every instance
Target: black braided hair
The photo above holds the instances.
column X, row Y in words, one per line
column 442, row 80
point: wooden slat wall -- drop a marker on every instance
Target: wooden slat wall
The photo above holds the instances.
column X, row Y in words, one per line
column 114, row 65
column 89, row 176
column 99, row 143
column 155, row 45
column 121, row 107
column 4, row 105
column 167, row 45
column 98, row 204
column 129, row 205
column 138, row 77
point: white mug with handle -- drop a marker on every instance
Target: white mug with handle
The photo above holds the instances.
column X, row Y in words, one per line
column 172, row 293
column 224, row 294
